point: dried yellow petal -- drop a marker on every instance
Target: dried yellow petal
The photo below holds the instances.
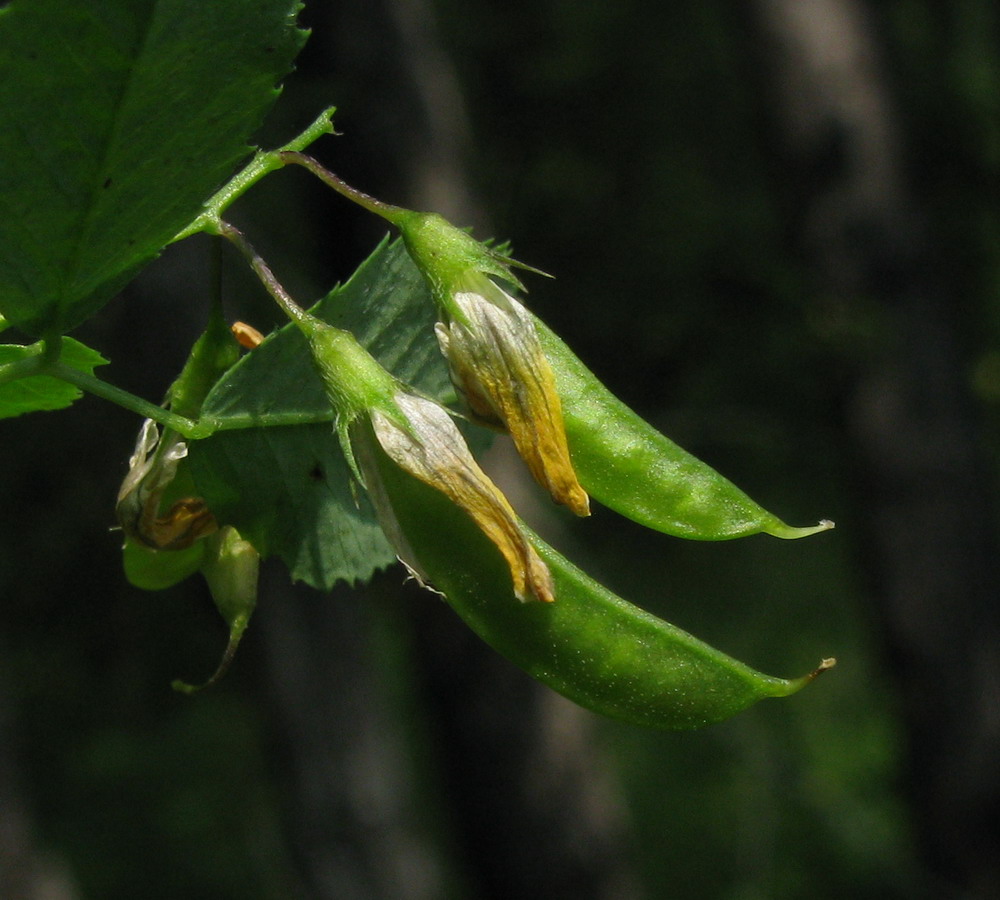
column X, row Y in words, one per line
column 428, row 445
column 498, row 363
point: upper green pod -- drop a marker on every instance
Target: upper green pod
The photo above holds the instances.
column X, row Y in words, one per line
column 630, row 467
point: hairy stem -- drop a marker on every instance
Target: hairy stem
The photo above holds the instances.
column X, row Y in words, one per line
column 263, row 271
column 385, row 210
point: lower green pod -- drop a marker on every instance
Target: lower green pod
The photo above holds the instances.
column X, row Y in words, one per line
column 156, row 570
column 591, row 646
column 630, row 467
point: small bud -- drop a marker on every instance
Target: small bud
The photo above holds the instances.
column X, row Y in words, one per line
column 248, row 337
column 230, row 568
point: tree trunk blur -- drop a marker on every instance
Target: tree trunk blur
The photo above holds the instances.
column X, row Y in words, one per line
column 930, row 543
column 26, row 871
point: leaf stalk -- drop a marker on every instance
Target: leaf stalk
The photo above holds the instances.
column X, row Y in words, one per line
column 22, row 368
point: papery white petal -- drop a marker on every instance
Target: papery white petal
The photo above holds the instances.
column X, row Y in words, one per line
column 427, row 444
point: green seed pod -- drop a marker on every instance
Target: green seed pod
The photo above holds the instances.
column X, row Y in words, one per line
column 156, row 570
column 501, row 356
column 230, row 567
column 626, row 464
column 588, row 644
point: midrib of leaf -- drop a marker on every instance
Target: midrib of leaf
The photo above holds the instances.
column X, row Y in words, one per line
column 86, row 220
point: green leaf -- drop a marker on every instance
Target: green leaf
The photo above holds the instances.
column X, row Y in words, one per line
column 118, row 118
column 276, row 471
column 43, row 392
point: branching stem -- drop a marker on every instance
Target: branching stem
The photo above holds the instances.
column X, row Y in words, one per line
column 263, row 163
column 187, row 428
column 44, row 359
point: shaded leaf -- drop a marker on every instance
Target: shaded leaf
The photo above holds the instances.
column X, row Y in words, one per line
column 276, row 471
column 288, row 490
column 118, row 118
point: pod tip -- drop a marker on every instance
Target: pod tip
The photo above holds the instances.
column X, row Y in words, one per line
column 796, row 685
column 788, row 532
column 824, row 664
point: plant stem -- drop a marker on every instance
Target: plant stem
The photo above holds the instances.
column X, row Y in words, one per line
column 385, row 210
column 187, row 428
column 51, row 350
column 21, row 368
column 261, row 269
column 263, row 163
column 44, row 361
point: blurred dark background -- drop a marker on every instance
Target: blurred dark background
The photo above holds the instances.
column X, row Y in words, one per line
column 774, row 231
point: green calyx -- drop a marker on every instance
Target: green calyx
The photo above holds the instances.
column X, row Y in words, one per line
column 444, row 254
column 355, row 382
